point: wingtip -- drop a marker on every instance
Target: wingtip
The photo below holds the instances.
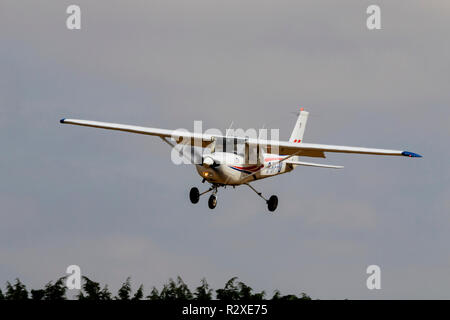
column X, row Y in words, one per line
column 62, row 120
column 411, row 154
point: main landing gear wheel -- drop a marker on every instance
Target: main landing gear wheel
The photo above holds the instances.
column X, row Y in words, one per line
column 212, row 201
column 194, row 195
column 272, row 203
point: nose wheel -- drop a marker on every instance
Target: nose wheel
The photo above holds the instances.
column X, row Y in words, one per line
column 212, row 201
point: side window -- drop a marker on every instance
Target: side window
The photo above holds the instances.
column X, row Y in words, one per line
column 231, row 145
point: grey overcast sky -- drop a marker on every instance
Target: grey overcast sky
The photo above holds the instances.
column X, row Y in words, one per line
column 114, row 204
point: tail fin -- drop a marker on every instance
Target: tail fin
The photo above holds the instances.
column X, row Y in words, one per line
column 299, row 129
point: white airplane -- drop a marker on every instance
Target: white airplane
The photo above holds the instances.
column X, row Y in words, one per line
column 233, row 161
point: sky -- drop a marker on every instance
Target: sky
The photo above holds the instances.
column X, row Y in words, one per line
column 114, row 204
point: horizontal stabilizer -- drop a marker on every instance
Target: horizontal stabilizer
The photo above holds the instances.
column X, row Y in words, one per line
column 310, row 164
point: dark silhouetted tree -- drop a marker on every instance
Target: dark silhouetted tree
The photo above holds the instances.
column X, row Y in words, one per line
column 241, row 291
column 91, row 291
column 168, row 291
column 203, row 292
column 229, row 292
column 37, row 294
column 139, row 293
column 276, row 295
column 18, row 291
column 245, row 293
column 55, row 291
column 105, row 294
column 2, row 297
column 175, row 290
column 182, row 290
column 125, row 290
column 304, row 296
column 154, row 294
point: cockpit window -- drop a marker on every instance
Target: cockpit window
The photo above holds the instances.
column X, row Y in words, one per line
column 231, row 145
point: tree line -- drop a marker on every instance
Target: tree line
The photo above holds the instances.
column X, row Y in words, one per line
column 172, row 290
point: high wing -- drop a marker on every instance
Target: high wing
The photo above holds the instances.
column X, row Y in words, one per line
column 318, row 150
column 269, row 146
column 178, row 135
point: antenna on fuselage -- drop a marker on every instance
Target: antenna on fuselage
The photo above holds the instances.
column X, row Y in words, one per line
column 229, row 128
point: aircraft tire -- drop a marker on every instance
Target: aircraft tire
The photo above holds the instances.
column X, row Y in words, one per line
column 212, row 201
column 272, row 203
column 194, row 195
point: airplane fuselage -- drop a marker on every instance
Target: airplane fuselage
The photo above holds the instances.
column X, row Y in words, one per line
column 233, row 170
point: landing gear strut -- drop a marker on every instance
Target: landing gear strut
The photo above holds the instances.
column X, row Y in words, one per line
column 272, row 202
column 194, row 196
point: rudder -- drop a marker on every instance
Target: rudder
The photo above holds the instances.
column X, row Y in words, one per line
column 300, row 125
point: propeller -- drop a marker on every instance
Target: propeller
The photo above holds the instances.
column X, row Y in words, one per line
column 209, row 162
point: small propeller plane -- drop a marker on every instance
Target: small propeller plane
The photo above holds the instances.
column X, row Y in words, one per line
column 235, row 160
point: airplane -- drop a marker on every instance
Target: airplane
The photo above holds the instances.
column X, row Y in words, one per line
column 236, row 160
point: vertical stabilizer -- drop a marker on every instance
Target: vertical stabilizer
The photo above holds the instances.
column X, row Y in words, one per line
column 300, row 125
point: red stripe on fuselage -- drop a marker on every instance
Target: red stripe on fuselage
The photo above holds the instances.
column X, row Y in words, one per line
column 251, row 168
column 273, row 159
